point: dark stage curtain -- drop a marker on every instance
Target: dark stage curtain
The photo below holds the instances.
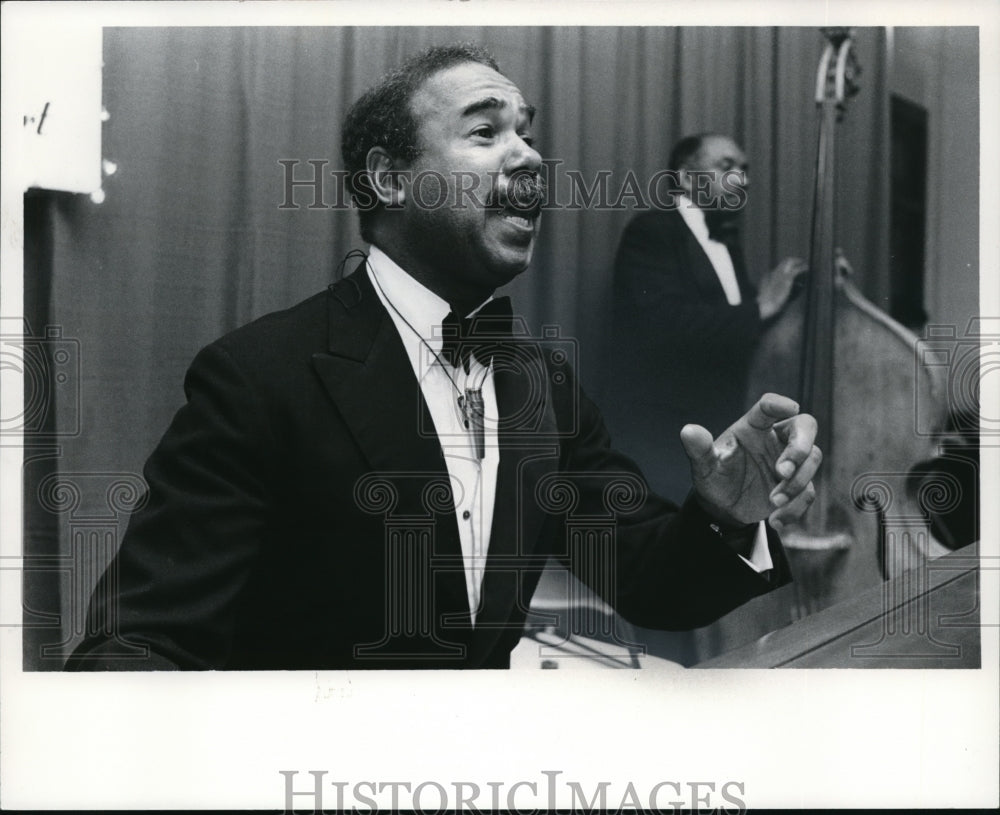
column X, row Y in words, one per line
column 190, row 241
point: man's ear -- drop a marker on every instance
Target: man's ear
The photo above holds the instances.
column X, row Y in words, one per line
column 387, row 177
column 684, row 181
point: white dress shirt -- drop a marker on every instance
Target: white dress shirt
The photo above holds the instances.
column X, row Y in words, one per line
column 417, row 314
column 717, row 252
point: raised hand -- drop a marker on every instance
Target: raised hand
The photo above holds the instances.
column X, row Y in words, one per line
column 775, row 287
column 760, row 467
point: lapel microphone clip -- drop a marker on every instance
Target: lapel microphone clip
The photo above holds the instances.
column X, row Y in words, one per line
column 473, row 412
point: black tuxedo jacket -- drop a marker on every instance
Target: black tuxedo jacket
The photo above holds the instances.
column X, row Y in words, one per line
column 299, row 514
column 678, row 352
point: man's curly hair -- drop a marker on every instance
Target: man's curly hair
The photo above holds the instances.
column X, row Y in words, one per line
column 383, row 117
column 685, row 150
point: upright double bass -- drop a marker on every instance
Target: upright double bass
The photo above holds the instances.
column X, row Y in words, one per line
column 858, row 372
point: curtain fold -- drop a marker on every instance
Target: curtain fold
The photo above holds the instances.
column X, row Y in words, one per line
column 191, row 240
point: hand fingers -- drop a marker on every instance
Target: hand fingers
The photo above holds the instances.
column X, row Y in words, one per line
column 794, row 509
column 698, row 444
column 842, row 263
column 770, row 409
column 798, row 433
column 793, row 267
column 801, row 478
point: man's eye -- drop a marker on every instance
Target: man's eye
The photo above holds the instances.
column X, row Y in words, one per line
column 484, row 132
column 528, row 139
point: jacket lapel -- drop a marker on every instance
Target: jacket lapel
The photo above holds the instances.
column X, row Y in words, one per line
column 529, row 448
column 747, row 289
column 371, row 382
column 703, row 272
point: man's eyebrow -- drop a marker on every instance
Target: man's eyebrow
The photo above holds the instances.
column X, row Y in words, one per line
column 494, row 103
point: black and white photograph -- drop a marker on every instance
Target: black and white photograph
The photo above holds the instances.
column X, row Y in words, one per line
column 463, row 406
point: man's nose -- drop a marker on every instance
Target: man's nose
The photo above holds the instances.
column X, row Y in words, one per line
column 738, row 178
column 522, row 157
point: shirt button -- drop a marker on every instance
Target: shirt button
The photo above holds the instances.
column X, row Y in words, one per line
column 465, row 515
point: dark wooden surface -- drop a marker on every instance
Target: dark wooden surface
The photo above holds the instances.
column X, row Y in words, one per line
column 926, row 618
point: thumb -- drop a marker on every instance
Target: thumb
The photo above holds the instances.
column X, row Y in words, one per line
column 698, row 445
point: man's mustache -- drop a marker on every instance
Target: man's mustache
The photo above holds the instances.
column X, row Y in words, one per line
column 523, row 193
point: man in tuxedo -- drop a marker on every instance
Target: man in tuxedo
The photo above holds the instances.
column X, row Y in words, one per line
column 370, row 480
column 686, row 314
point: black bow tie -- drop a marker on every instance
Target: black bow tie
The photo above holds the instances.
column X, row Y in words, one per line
column 722, row 226
column 478, row 335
